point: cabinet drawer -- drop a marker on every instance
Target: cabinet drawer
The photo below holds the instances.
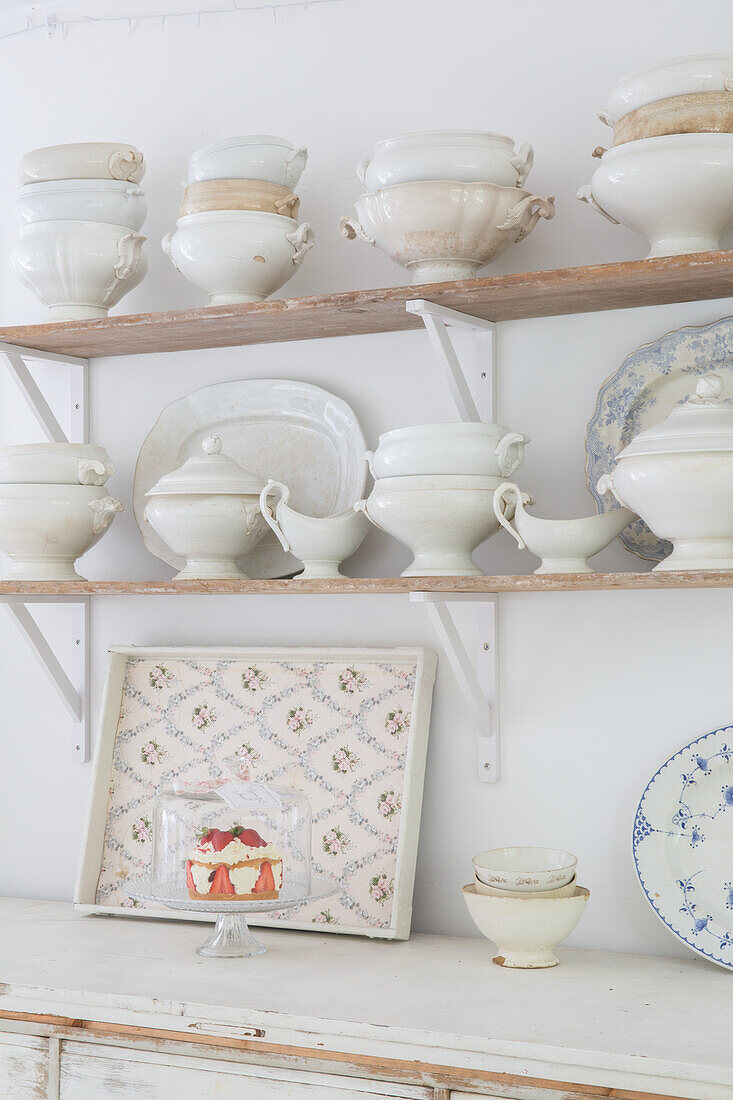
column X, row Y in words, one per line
column 91, row 1071
column 23, row 1067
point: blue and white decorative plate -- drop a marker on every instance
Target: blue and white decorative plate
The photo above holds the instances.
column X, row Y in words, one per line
column 645, row 389
column 683, row 845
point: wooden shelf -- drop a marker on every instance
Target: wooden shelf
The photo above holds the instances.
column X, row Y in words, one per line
column 347, row 586
column 667, row 279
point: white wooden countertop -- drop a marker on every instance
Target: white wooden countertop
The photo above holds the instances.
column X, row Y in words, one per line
column 625, row 1021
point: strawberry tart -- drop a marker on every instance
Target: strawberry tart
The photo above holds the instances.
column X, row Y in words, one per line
column 233, row 865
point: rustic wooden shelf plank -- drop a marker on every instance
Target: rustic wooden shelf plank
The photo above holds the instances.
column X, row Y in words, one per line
column 345, row 586
column 666, row 279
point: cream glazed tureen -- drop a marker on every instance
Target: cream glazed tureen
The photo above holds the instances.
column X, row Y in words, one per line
column 678, row 476
column 208, row 513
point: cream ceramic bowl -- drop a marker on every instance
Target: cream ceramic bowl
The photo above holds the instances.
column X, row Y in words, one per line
column 466, row 156
column 676, row 191
column 704, row 113
column 238, row 255
column 255, row 157
column 78, row 269
column 494, row 892
column 55, row 464
column 113, row 201
column 525, row 930
column 483, row 450
column 45, row 528
column 678, row 76
column 83, row 160
column 211, row 531
column 525, row 869
column 441, row 519
column 322, row 543
column 270, row 198
column 441, row 231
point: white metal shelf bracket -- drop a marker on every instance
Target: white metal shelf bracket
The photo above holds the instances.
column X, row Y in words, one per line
column 477, row 676
column 72, row 687
column 464, row 383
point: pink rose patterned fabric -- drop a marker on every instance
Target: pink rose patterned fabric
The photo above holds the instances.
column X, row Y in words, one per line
column 338, row 729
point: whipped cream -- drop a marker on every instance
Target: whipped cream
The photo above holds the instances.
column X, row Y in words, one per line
column 234, row 852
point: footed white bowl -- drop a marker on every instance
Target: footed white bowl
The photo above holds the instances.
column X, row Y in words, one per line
column 675, row 190
column 78, row 269
column 238, row 255
column 440, row 230
column 210, row 530
column 525, row 930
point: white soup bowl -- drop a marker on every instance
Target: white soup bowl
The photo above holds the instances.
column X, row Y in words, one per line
column 678, row 76
column 525, row 930
column 210, row 530
column 466, row 156
column 525, row 869
column 483, row 450
column 254, row 157
column 113, row 201
column 83, row 160
column 55, row 464
column 495, row 892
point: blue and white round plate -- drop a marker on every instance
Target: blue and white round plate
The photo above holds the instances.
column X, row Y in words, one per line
column 645, row 389
column 683, row 845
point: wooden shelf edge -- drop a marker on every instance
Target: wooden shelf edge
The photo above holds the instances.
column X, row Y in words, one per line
column 624, row 285
column 346, row 586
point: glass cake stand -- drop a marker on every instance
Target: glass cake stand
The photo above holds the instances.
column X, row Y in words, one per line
column 232, row 937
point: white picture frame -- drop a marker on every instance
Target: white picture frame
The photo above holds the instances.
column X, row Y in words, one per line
column 409, row 666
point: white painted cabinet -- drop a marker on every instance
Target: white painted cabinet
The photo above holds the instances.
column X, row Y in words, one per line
column 90, row 1072
column 23, row 1067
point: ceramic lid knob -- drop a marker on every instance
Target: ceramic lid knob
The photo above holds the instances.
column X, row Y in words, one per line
column 709, row 387
column 211, row 445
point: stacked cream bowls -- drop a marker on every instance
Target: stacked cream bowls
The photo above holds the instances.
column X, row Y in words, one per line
column 669, row 172
column 79, row 211
column 53, row 507
column 443, row 203
column 433, row 490
column 526, row 900
column 237, row 235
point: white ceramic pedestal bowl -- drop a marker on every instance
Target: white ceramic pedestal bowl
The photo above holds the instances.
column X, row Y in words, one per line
column 45, row 528
column 481, row 450
column 525, row 930
column 466, row 156
column 675, row 77
column 441, row 519
column 675, row 190
column 113, row 201
column 525, row 869
column 564, row 545
column 55, row 464
column 78, row 269
column 238, row 255
column 494, row 892
column 211, row 531
column 321, row 543
column 83, row 160
column 255, row 157
column 439, row 230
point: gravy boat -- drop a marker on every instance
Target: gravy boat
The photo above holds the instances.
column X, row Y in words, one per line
column 321, row 543
column 564, row 545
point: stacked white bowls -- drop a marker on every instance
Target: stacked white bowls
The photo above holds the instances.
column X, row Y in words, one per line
column 237, row 236
column 434, row 488
column 442, row 203
column 79, row 211
column 669, row 173
column 53, row 507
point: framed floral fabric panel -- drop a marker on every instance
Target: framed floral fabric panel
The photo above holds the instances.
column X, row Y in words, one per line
column 348, row 726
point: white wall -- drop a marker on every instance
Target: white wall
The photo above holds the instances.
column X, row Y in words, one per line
column 596, row 689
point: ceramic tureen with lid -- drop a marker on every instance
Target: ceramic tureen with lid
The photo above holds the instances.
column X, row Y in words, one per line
column 678, row 476
column 208, row 513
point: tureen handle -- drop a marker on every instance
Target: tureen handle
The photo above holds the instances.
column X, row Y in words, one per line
column 605, row 117
column 586, row 195
column 544, row 208
column 351, row 228
column 270, row 517
column 369, row 459
column 606, row 485
column 295, row 160
column 361, row 506
column 361, row 169
column 502, row 503
column 522, row 161
column 302, row 239
column 510, row 451
column 104, row 510
column 90, row 471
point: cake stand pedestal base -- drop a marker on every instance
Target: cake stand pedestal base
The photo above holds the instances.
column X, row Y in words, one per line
column 231, row 939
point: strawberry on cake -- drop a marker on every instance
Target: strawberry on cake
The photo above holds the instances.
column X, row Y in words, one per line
column 233, row 865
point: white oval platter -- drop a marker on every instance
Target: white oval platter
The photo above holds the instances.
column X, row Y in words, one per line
column 290, row 431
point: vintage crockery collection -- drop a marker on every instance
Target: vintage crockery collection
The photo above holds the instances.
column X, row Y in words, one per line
column 526, row 900
column 443, row 203
column 237, row 236
column 79, row 211
column 669, row 173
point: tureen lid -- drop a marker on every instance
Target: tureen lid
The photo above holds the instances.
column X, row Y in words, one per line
column 208, row 472
column 703, row 422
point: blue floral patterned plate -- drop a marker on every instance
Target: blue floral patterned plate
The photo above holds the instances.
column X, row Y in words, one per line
column 683, row 845
column 645, row 389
